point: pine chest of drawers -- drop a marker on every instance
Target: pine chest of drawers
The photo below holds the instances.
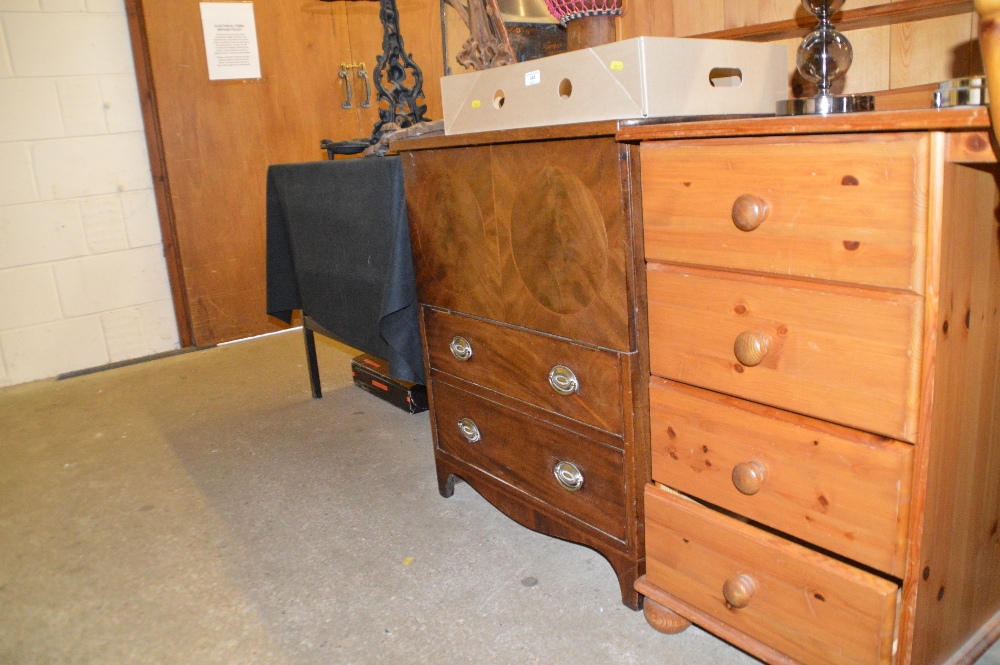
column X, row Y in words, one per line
column 524, row 246
column 824, row 348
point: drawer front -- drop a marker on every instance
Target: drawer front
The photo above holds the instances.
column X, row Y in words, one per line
column 848, row 355
column 519, row 363
column 808, row 606
column 849, row 211
column 527, row 453
column 843, row 490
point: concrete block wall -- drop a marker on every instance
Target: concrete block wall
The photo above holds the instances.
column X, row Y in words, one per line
column 83, row 281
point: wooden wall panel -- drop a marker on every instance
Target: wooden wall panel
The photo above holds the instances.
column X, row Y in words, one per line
column 872, row 47
column 885, row 57
column 292, row 111
column 420, row 23
column 219, row 136
column 692, row 17
column 932, row 50
column 457, row 33
column 366, row 43
column 646, row 18
column 683, row 18
column 740, row 13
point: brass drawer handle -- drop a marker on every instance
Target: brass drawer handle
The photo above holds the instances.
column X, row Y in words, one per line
column 569, row 476
column 460, row 348
column 748, row 477
column 739, row 590
column 749, row 212
column 469, row 430
column 563, row 380
column 750, row 348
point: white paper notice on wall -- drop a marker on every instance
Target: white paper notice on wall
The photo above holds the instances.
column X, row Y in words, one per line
column 230, row 40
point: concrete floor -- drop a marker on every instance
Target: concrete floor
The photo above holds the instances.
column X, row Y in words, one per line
column 204, row 509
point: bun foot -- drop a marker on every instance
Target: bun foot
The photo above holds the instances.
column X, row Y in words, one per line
column 663, row 619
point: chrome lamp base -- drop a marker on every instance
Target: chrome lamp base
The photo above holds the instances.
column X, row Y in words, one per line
column 827, row 105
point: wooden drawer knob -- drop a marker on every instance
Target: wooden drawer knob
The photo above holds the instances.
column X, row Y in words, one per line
column 750, row 348
column 739, row 590
column 749, row 212
column 748, row 477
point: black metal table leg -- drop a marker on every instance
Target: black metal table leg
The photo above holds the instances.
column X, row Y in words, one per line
column 317, row 388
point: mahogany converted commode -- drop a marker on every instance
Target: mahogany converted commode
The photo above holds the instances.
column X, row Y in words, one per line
column 523, row 255
column 813, row 406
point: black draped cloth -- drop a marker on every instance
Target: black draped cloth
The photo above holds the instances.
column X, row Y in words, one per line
column 338, row 248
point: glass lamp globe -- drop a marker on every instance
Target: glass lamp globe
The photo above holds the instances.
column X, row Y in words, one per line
column 824, row 55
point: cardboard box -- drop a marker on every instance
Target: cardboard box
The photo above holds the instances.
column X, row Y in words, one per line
column 645, row 77
column 371, row 373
